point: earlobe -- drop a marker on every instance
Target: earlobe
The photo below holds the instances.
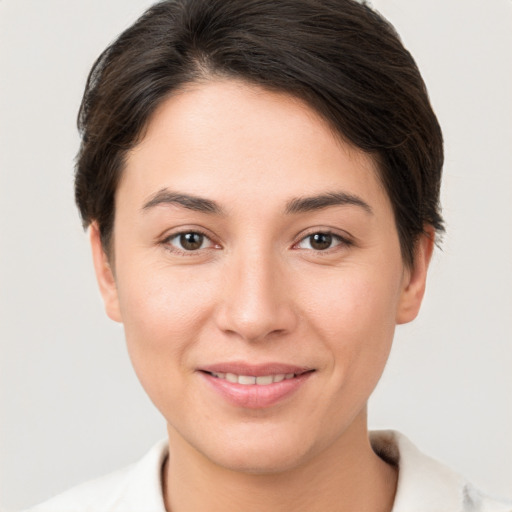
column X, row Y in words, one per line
column 415, row 282
column 104, row 275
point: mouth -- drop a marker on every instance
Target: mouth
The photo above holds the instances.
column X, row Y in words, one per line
column 255, row 386
column 260, row 380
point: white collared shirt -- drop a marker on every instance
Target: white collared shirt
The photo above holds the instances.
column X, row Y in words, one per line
column 424, row 485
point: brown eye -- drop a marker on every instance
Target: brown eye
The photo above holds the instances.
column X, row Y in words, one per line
column 321, row 241
column 191, row 241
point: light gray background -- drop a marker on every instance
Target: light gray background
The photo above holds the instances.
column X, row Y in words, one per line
column 71, row 407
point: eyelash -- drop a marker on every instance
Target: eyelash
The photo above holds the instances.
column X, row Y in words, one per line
column 166, row 242
column 342, row 241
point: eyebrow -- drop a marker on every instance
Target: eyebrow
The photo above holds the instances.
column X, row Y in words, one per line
column 188, row 201
column 320, row 201
column 294, row 206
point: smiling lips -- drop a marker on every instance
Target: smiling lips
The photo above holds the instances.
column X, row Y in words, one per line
column 263, row 380
column 255, row 386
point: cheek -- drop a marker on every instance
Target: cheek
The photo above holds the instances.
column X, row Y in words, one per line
column 162, row 312
column 354, row 314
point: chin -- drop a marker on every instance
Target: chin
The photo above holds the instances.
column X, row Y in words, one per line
column 260, row 461
column 257, row 450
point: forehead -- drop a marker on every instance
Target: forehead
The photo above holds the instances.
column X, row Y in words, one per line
column 219, row 137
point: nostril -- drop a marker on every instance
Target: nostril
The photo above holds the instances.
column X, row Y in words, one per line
column 253, row 305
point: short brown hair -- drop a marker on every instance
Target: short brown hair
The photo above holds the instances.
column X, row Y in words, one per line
column 339, row 56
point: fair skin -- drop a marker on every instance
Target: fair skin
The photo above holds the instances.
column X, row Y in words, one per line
column 264, row 281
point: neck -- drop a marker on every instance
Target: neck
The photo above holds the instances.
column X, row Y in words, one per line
column 344, row 477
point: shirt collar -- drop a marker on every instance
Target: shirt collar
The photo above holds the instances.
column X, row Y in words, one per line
column 424, row 485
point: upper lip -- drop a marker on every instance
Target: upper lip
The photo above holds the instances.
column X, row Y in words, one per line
column 256, row 370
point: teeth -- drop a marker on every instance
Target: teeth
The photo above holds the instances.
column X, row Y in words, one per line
column 263, row 380
column 246, row 379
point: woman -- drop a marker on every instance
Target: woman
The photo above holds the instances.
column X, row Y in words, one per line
column 260, row 181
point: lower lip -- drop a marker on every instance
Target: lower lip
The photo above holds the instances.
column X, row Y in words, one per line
column 254, row 396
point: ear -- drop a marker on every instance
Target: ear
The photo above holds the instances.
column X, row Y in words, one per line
column 415, row 278
column 104, row 275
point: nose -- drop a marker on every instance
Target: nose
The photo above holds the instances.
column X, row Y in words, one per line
column 256, row 303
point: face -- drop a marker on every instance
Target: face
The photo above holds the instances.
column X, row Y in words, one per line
column 258, row 275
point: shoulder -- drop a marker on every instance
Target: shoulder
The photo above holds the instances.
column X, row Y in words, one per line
column 132, row 489
column 93, row 495
column 426, row 485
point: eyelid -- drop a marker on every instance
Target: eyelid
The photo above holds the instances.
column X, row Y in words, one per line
column 345, row 240
column 165, row 240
